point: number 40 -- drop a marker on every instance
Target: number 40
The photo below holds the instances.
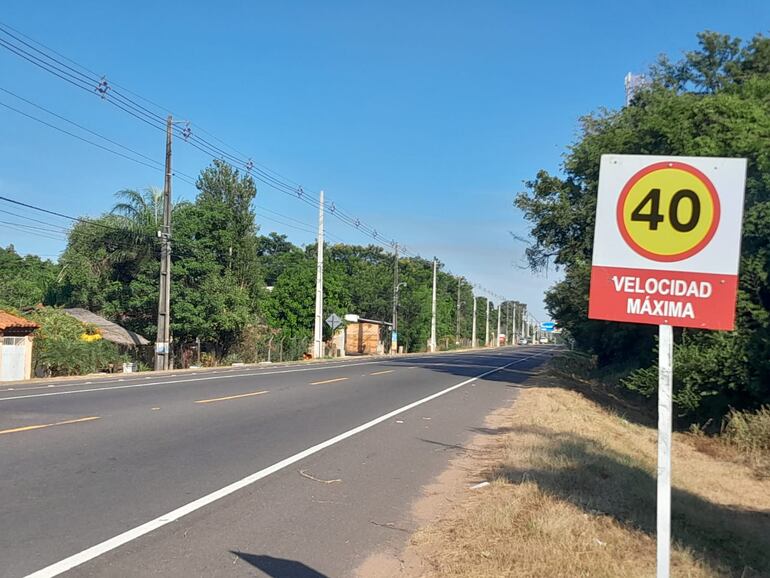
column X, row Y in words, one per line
column 654, row 216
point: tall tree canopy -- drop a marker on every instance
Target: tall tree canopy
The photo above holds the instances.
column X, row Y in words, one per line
column 713, row 102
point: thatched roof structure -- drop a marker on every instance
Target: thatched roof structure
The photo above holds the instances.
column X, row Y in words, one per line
column 110, row 331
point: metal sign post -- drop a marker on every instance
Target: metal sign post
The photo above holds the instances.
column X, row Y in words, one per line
column 665, row 386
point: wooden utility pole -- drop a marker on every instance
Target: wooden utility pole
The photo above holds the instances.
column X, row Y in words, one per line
column 162, row 339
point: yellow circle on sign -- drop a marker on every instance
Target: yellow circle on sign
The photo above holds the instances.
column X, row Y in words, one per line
column 668, row 211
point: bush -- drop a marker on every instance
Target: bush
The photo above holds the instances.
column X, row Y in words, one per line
column 62, row 346
column 748, row 431
column 710, row 376
column 58, row 356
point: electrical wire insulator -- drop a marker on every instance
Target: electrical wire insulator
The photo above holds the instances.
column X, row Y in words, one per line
column 103, row 87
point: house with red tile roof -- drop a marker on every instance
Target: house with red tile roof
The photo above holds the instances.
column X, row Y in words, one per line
column 15, row 347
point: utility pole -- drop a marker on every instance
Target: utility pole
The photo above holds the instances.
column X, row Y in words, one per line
column 394, row 327
column 457, row 332
column 473, row 333
column 433, row 310
column 319, row 285
column 162, row 345
column 497, row 335
column 513, row 326
column 486, row 334
column 510, row 321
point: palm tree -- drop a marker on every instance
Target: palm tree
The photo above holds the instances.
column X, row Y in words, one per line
column 143, row 212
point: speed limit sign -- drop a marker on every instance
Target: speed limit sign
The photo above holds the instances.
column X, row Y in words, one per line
column 667, row 240
column 666, row 249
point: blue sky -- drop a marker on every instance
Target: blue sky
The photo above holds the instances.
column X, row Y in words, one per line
column 423, row 119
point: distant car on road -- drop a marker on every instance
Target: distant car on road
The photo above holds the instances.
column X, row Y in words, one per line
column 543, row 340
column 523, row 341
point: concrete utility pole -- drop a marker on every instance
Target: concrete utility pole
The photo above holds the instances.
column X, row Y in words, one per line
column 486, row 334
column 162, row 339
column 433, row 310
column 318, row 344
column 473, row 334
column 513, row 326
column 457, row 332
column 394, row 319
column 497, row 335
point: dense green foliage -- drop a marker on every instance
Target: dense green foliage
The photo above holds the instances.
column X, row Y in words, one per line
column 714, row 102
column 59, row 348
column 232, row 288
column 25, row 280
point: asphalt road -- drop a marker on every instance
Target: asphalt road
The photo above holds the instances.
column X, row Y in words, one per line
column 273, row 471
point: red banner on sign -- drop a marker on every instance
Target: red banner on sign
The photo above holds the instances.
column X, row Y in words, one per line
column 678, row 298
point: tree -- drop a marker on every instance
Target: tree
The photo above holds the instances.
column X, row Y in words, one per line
column 711, row 103
column 26, row 281
column 224, row 205
column 290, row 306
column 275, row 253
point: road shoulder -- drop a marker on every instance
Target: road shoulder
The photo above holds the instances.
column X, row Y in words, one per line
column 443, row 498
column 572, row 492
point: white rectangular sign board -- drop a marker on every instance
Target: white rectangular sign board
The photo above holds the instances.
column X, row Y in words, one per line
column 667, row 240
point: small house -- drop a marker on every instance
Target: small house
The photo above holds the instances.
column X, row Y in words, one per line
column 16, row 347
column 366, row 337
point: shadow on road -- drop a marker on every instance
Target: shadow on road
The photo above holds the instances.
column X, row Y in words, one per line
column 279, row 567
column 537, row 372
column 473, row 364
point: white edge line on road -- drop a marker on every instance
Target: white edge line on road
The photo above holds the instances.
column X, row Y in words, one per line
column 172, row 516
column 149, row 383
column 279, row 368
column 319, row 367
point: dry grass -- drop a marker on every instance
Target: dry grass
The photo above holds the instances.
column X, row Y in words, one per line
column 749, row 432
column 574, row 495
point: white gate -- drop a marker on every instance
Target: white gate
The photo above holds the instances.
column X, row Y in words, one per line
column 13, row 356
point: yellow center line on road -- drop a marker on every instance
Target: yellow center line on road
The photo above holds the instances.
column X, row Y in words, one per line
column 231, row 397
column 381, row 372
column 329, row 380
column 44, row 425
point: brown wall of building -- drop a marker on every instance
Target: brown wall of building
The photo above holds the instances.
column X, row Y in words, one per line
column 362, row 338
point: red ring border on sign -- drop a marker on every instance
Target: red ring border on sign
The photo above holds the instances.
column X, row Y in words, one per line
column 652, row 168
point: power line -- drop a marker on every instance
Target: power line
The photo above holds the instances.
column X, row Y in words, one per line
column 29, row 229
column 81, row 127
column 90, row 81
column 30, row 218
column 92, row 143
column 71, row 218
column 106, row 91
column 156, row 165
